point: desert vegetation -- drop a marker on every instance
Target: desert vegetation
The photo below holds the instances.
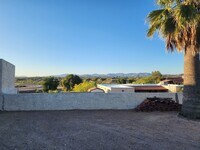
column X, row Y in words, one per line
column 75, row 83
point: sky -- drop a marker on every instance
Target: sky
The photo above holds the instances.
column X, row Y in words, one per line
column 52, row 37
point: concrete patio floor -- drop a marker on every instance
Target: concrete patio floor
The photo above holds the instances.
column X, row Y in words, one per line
column 97, row 130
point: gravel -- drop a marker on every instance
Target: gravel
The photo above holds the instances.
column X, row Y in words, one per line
column 97, row 130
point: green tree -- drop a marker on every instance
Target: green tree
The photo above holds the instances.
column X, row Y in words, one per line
column 156, row 76
column 145, row 80
column 70, row 81
column 50, row 83
column 84, row 87
column 99, row 80
column 131, row 80
column 121, row 81
column 107, row 81
column 178, row 22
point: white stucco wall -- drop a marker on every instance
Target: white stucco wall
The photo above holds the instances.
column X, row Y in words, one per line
column 7, row 78
column 126, row 90
column 116, row 88
column 97, row 91
column 173, row 87
column 180, row 98
column 82, row 101
column 1, row 102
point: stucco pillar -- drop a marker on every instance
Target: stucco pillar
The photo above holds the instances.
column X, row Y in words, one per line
column 7, row 78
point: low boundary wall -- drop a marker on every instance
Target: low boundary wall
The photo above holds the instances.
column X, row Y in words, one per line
column 1, row 103
column 82, row 101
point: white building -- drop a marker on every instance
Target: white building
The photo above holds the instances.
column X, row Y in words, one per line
column 115, row 88
column 96, row 90
column 138, row 88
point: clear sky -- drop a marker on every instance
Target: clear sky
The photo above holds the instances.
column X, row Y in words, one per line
column 51, row 37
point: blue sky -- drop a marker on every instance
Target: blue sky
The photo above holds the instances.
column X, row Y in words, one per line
column 50, row 37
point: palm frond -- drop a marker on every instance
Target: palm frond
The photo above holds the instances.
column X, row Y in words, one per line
column 155, row 19
column 155, row 15
column 185, row 14
column 178, row 22
column 164, row 3
column 169, row 26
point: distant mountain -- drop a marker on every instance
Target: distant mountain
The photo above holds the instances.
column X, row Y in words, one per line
column 111, row 75
column 61, row 75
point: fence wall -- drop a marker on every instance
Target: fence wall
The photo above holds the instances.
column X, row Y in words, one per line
column 70, row 101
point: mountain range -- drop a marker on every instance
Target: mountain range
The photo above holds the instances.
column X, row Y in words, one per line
column 111, row 75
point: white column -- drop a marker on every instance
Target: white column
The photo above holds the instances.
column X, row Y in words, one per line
column 7, row 78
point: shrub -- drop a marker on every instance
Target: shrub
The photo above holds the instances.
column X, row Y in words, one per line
column 84, row 87
column 70, row 81
column 50, row 83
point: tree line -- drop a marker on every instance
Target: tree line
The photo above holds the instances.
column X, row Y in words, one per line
column 77, row 84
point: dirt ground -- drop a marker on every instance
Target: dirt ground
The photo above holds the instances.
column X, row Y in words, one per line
column 97, row 130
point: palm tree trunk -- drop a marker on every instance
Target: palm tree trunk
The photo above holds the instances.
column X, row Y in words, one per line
column 191, row 92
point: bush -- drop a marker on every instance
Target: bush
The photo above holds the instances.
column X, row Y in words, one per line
column 70, row 81
column 54, row 91
column 84, row 87
column 50, row 83
column 155, row 78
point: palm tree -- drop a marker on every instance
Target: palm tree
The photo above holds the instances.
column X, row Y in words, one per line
column 178, row 23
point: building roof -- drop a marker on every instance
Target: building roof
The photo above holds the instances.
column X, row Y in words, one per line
column 150, row 88
column 116, row 86
column 136, row 86
column 95, row 88
column 175, row 80
column 139, row 85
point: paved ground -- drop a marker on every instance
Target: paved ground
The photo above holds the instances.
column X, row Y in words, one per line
column 96, row 130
